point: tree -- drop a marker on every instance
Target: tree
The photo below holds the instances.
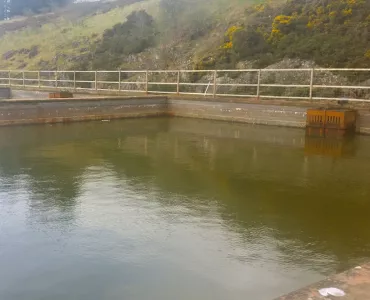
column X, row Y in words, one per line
column 134, row 36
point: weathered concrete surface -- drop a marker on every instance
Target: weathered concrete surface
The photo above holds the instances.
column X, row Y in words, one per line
column 5, row 93
column 291, row 116
column 19, row 94
column 355, row 283
column 265, row 113
column 31, row 95
column 85, row 107
column 363, row 123
column 71, row 110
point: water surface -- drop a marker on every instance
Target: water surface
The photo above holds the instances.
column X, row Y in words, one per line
column 177, row 209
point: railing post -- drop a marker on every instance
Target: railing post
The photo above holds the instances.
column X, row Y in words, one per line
column 10, row 78
column 259, row 84
column 214, row 83
column 38, row 79
column 119, row 80
column 24, row 83
column 311, row 83
column 146, row 81
column 74, row 80
column 56, row 79
column 96, row 80
column 178, row 83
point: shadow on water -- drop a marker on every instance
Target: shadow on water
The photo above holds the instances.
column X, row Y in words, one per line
column 261, row 180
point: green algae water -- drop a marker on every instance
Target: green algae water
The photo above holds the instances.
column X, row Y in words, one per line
column 177, row 209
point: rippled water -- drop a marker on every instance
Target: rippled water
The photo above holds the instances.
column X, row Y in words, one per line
column 177, row 209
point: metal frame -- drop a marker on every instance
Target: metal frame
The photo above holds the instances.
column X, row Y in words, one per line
column 91, row 80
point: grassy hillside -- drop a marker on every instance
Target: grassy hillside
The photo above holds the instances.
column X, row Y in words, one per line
column 329, row 33
column 61, row 39
column 201, row 34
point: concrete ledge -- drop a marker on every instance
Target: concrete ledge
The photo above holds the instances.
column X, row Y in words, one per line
column 276, row 115
column 84, row 99
column 5, row 93
column 354, row 282
column 31, row 111
column 13, row 112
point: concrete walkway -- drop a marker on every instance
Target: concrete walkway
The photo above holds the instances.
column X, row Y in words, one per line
column 354, row 282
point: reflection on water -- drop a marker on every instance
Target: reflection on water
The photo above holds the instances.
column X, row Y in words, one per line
column 330, row 146
column 177, row 209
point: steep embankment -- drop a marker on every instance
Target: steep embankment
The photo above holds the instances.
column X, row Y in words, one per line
column 74, row 36
column 206, row 34
column 329, row 33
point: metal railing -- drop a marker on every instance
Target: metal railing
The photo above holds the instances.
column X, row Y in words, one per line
column 305, row 84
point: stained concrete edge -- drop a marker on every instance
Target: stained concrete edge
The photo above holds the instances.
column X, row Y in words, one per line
column 355, row 283
column 75, row 99
column 274, row 113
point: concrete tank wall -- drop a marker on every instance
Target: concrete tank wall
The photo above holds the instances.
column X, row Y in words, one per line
column 252, row 113
column 70, row 110
column 5, row 93
column 279, row 115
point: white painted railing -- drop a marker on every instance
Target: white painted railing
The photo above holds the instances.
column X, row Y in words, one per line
column 306, row 84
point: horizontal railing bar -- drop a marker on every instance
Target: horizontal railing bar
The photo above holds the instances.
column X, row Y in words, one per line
column 162, row 83
column 196, row 71
column 238, row 84
column 190, row 93
column 341, row 99
column 65, row 80
column 342, row 69
column 238, row 70
column 163, row 71
column 283, row 97
column 285, row 85
column 193, row 84
column 236, row 95
column 140, row 91
column 159, row 92
column 341, row 87
column 133, row 82
column 100, row 72
column 133, row 71
column 287, row 70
